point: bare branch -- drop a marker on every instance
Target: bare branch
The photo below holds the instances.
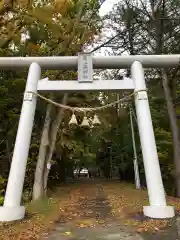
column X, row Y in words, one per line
column 156, row 8
column 105, row 43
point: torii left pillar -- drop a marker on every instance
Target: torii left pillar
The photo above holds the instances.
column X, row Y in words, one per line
column 12, row 209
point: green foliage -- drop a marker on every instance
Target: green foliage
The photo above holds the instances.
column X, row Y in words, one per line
column 53, row 28
column 2, row 185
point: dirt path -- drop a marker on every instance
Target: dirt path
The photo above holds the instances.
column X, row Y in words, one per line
column 92, row 210
column 91, row 219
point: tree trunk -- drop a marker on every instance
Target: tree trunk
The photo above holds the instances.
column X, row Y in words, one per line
column 53, row 134
column 38, row 178
column 174, row 130
column 159, row 31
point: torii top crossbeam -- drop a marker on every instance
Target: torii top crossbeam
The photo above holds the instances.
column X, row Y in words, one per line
column 107, row 62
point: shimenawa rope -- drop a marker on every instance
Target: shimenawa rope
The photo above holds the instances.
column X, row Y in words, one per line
column 87, row 109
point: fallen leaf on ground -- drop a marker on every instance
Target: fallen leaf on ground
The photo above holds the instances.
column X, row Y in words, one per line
column 67, row 233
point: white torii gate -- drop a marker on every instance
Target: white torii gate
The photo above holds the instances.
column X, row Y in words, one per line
column 12, row 209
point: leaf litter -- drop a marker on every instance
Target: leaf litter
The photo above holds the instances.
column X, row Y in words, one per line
column 76, row 205
column 127, row 203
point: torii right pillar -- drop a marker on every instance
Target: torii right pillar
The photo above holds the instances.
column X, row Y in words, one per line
column 157, row 201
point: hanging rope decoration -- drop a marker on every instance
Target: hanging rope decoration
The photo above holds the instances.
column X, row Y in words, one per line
column 73, row 120
column 86, row 123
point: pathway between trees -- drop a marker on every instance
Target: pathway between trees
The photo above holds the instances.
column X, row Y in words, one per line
column 90, row 211
column 93, row 220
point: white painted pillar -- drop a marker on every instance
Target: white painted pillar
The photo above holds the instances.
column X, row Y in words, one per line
column 136, row 167
column 12, row 209
column 158, row 207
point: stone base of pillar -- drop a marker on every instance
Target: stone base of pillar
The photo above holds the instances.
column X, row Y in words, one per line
column 159, row 211
column 8, row 214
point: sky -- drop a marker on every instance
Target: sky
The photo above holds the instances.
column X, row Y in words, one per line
column 107, row 6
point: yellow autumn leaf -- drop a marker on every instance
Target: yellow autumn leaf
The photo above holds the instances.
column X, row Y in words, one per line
column 62, row 6
column 67, row 233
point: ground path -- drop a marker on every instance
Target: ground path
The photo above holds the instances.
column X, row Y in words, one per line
column 93, row 221
column 92, row 210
